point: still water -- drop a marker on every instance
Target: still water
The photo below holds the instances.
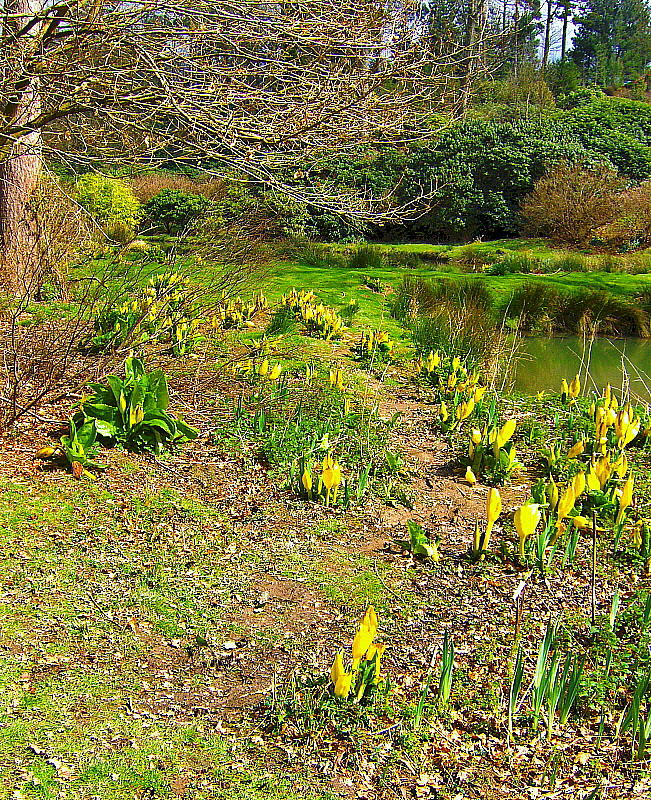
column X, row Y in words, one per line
column 545, row 362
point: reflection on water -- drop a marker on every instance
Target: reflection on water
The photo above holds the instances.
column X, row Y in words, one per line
column 545, row 362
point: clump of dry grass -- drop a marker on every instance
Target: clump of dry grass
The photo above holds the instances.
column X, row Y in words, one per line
column 150, row 184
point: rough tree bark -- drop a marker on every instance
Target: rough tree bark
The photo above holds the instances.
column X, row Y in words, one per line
column 19, row 168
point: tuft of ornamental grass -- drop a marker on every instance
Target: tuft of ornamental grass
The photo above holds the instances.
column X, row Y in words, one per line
column 539, row 308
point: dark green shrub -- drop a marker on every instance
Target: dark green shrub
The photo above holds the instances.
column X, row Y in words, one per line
column 172, row 210
column 484, row 169
column 618, row 129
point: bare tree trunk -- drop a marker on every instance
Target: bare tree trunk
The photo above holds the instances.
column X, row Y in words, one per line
column 566, row 18
column 475, row 34
column 20, row 166
column 516, row 31
column 548, row 33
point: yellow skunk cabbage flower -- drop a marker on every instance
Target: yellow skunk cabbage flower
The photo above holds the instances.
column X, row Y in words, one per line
column 622, row 421
column 630, row 433
column 337, row 669
column 576, row 449
column 578, row 484
column 506, row 432
column 565, row 390
column 342, row 687
column 580, row 523
column 456, row 363
column 551, row 490
column 621, row 465
column 475, row 436
column 566, row 503
column 493, row 508
column 603, row 471
column 336, row 379
column 471, row 478
column 370, row 619
column 275, row 372
column 575, row 387
column 625, row 500
column 376, row 651
column 465, row 409
column 526, row 520
column 263, row 369
column 432, row 361
column 478, row 396
column 592, row 481
column 443, row 412
column 362, row 641
column 306, row 479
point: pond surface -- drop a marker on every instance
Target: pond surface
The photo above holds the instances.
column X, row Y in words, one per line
column 545, row 362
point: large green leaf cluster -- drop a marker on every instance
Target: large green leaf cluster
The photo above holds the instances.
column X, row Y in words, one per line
column 132, row 411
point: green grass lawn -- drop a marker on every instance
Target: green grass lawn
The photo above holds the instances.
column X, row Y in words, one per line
column 336, row 285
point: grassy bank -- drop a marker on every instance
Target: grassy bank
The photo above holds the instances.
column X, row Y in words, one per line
column 168, row 628
column 337, row 283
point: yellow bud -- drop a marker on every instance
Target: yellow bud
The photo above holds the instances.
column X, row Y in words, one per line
column 526, row 520
column 566, row 503
column 362, row 641
column 626, row 498
column 337, row 669
column 480, row 391
column 46, row 452
column 342, row 686
column 506, row 432
column 493, row 506
column 578, row 484
column 576, row 449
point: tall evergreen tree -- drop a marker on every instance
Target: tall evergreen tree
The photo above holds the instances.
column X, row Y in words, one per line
column 612, row 42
